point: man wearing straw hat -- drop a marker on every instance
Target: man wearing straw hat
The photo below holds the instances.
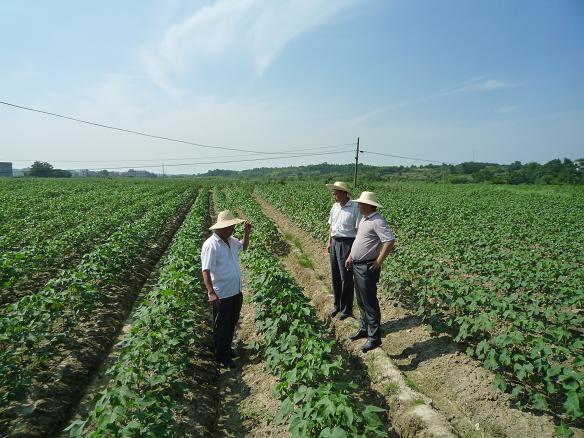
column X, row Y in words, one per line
column 372, row 245
column 343, row 221
column 222, row 277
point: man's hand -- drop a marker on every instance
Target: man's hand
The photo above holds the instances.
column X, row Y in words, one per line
column 213, row 299
column 247, row 227
column 348, row 262
column 328, row 247
column 375, row 266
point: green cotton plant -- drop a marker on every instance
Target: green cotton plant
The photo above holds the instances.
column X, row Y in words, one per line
column 472, row 262
column 35, row 328
column 296, row 347
column 143, row 397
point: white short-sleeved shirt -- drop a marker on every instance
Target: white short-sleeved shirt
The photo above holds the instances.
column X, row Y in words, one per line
column 344, row 220
column 222, row 261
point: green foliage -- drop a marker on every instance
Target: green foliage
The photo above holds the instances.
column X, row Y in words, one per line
column 42, row 169
column 315, row 402
column 37, row 328
column 500, row 269
column 553, row 172
column 144, row 395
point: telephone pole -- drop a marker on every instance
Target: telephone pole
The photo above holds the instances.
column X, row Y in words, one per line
column 163, row 175
column 356, row 164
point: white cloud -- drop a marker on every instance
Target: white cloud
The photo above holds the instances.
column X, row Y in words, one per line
column 473, row 85
column 258, row 29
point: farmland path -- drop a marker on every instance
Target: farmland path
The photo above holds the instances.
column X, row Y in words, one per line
column 247, row 403
column 450, row 381
column 246, row 400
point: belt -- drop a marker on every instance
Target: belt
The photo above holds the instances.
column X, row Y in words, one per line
column 363, row 262
column 343, row 239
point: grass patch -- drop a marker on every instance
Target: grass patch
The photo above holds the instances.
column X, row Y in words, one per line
column 391, row 388
column 419, row 401
column 305, row 261
column 413, row 385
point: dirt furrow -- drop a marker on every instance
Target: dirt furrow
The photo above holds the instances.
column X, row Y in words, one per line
column 52, row 403
column 457, row 386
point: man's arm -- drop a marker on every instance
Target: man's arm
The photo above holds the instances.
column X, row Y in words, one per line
column 386, row 248
column 213, row 298
column 246, row 230
column 328, row 245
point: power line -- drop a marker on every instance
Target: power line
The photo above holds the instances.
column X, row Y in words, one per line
column 159, row 137
column 220, row 162
column 159, row 160
column 406, row 158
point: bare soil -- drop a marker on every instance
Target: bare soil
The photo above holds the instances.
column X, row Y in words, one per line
column 248, row 404
column 457, row 386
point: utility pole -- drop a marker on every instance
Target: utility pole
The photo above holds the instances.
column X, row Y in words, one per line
column 163, row 171
column 356, row 164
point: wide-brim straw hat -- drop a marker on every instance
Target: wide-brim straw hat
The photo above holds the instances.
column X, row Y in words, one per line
column 225, row 219
column 339, row 185
column 368, row 198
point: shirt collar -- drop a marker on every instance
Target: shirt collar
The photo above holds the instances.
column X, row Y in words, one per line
column 371, row 215
column 219, row 239
column 348, row 204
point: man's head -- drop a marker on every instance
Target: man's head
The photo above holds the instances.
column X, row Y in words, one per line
column 367, row 203
column 340, row 196
column 366, row 209
column 225, row 233
column 340, row 191
column 225, row 224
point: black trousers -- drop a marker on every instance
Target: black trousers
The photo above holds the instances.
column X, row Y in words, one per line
column 225, row 317
column 366, row 287
column 343, row 285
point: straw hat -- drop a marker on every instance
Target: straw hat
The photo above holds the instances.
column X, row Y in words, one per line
column 339, row 185
column 225, row 219
column 368, row 198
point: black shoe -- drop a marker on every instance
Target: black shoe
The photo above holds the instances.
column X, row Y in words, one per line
column 343, row 316
column 358, row 335
column 370, row 345
column 333, row 312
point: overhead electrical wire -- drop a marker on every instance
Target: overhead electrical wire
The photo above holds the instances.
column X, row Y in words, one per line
column 221, row 162
column 405, row 158
column 162, row 160
column 159, row 137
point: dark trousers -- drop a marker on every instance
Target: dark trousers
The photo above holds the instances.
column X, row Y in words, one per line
column 225, row 317
column 343, row 286
column 366, row 287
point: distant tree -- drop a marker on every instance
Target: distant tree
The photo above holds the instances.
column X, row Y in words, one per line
column 41, row 168
column 60, row 173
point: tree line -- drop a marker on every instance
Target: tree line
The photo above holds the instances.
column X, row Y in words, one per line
column 553, row 172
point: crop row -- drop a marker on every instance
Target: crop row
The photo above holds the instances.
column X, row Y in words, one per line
column 501, row 270
column 148, row 391
column 296, row 347
column 36, row 331
column 22, row 270
column 34, row 211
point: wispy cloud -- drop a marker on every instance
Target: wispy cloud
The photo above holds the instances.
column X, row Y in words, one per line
column 480, row 84
column 258, row 29
column 506, row 109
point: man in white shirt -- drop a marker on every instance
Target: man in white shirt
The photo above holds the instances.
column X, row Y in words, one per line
column 222, row 277
column 343, row 221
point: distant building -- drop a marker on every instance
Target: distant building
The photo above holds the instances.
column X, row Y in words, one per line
column 80, row 172
column 579, row 164
column 5, row 169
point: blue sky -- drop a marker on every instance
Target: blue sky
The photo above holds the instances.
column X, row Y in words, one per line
column 447, row 80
